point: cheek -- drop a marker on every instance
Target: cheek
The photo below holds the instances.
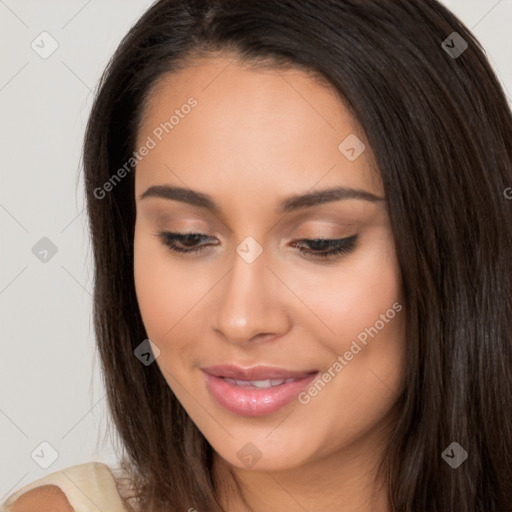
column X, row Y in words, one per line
column 168, row 291
column 157, row 284
column 366, row 368
column 361, row 310
column 352, row 298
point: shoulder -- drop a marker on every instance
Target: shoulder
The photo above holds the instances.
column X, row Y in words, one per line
column 46, row 498
column 75, row 488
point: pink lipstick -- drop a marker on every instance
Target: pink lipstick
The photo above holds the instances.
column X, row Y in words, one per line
column 255, row 391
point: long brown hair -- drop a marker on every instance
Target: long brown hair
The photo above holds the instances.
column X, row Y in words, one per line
column 440, row 128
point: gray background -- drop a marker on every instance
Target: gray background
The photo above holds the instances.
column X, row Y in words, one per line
column 50, row 384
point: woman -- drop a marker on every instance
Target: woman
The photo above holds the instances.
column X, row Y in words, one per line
column 300, row 215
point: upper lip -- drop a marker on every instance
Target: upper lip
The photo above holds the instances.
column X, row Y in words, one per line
column 255, row 372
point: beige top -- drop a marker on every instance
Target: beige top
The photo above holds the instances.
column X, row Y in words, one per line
column 89, row 487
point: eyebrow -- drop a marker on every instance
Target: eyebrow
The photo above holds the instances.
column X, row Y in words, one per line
column 289, row 204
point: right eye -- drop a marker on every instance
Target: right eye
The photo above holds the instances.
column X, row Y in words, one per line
column 328, row 247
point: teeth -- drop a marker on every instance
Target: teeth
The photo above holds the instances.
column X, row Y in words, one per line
column 237, row 382
column 261, row 384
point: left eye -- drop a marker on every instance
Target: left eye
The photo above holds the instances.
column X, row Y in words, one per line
column 187, row 239
column 322, row 247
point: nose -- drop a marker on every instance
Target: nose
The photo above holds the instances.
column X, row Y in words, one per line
column 251, row 304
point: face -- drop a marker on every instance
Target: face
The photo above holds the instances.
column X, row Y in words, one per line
column 261, row 293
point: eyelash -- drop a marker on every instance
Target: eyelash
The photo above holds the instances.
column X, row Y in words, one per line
column 340, row 245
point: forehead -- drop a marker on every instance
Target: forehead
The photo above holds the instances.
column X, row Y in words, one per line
column 250, row 130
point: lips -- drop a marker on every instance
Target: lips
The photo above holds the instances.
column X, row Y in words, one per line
column 255, row 391
column 256, row 373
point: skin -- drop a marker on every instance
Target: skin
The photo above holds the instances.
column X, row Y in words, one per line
column 46, row 498
column 256, row 137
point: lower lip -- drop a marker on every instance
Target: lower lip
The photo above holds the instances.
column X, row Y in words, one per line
column 254, row 402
